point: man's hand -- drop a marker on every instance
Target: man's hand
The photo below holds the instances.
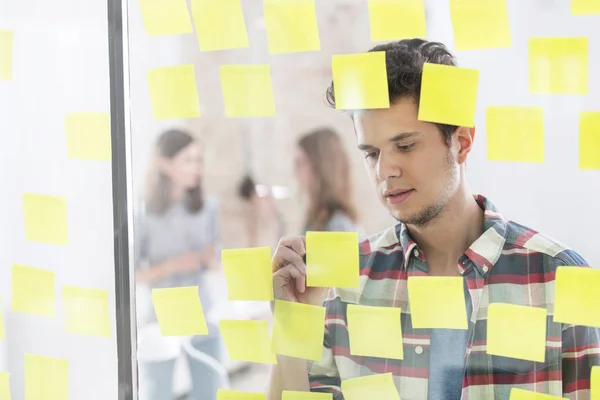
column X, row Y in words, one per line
column 289, row 274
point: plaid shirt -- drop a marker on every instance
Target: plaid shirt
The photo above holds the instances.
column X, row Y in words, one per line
column 508, row 263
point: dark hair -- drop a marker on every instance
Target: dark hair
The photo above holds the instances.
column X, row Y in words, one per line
column 247, row 187
column 158, row 196
column 404, row 63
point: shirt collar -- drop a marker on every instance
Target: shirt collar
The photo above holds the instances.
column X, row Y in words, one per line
column 483, row 253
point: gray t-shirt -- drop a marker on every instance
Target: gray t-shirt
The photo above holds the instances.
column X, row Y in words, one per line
column 174, row 233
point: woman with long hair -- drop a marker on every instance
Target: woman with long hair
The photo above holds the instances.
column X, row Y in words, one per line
column 323, row 171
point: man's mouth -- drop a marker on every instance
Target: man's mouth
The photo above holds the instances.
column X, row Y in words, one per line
column 396, row 192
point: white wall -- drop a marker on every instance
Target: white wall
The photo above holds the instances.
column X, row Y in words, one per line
column 555, row 197
column 60, row 65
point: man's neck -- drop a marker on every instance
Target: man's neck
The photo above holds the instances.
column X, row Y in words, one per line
column 445, row 239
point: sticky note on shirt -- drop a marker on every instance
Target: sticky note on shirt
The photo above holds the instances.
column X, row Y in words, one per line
column 360, row 81
column 247, row 90
column 332, row 259
column 219, row 24
column 520, row 394
column 6, row 54
column 33, row 291
column 396, row 19
column 437, row 302
column 86, row 311
column 380, row 387
column 88, row 136
column 45, row 218
column 558, row 65
column 479, row 25
column 173, row 92
column 298, row 330
column 291, row 26
column 589, row 140
column 577, row 298
column 165, row 17
column 448, row 95
column 291, row 395
column 248, row 341
column 516, row 331
column 375, row 331
column 4, row 385
column 179, row 311
column 595, row 383
column 249, row 274
column 515, row 134
column 584, row 7
column 46, row 378
column 223, row 394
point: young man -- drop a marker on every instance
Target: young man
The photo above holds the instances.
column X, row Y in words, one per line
column 418, row 170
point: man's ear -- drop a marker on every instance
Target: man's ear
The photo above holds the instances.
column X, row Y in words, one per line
column 465, row 137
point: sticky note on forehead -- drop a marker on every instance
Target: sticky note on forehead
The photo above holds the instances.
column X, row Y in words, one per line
column 360, row 81
column 45, row 218
column 179, row 311
column 332, row 259
column 577, row 296
column 165, row 17
column 298, row 330
column 480, row 25
column 375, row 331
column 223, row 394
column 6, row 54
column 247, row 90
column 448, row 95
column 219, row 24
column 248, row 341
column 399, row 19
column 290, row 395
column 520, row 394
column 291, row 26
column 249, row 274
column 173, row 92
column 516, row 331
column 88, row 136
column 437, row 302
column 558, row 65
column 380, row 387
column 589, row 140
column 515, row 134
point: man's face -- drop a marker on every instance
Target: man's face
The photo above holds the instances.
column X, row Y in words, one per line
column 414, row 172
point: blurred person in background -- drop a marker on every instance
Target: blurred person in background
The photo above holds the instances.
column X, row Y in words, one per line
column 323, row 172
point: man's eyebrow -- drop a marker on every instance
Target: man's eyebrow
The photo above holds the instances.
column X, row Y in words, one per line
column 399, row 137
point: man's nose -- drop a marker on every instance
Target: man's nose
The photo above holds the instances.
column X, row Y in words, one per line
column 387, row 167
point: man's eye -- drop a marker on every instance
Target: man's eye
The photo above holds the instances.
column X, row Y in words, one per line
column 371, row 155
column 407, row 147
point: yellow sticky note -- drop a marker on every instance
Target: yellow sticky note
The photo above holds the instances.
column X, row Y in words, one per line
column 520, row 394
column 375, row 331
column 291, row 395
column 380, row 387
column 223, row 394
column 516, row 331
column 558, row 65
column 248, row 341
column 219, row 24
column 360, row 81
column 515, row 134
column 291, row 26
column 46, row 378
column 583, row 7
column 4, row 386
column 589, row 140
column 595, row 383
column 448, row 95
column 88, row 136
column 45, row 218
column 247, row 90
column 2, row 330
column 6, row 54
column 332, row 259
column 179, row 311
column 165, row 17
column 33, row 291
column 396, row 19
column 249, row 274
column 298, row 330
column 437, row 302
column 86, row 311
column 173, row 92
column 480, row 25
column 577, row 298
